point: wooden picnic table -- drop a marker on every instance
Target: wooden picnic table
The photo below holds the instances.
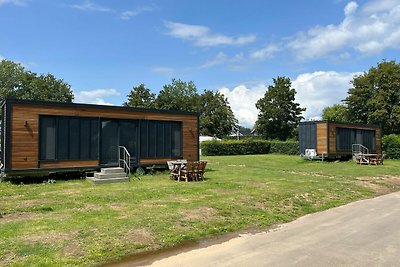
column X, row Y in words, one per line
column 187, row 170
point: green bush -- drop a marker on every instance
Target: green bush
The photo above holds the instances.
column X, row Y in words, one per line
column 287, row 147
column 234, row 147
column 391, row 146
column 248, row 147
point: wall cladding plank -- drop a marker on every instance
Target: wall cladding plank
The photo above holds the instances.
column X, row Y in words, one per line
column 69, row 164
column 322, row 141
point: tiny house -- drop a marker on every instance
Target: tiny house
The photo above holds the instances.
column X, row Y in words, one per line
column 45, row 137
column 324, row 139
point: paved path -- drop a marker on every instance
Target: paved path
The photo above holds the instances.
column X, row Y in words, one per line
column 363, row 233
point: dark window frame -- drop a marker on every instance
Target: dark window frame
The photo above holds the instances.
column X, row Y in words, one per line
column 155, row 145
column 68, row 119
column 344, row 134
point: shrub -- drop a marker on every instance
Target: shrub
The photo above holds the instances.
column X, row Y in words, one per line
column 232, row 147
column 248, row 147
column 287, row 147
column 391, row 146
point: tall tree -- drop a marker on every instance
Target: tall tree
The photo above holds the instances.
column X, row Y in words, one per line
column 216, row 116
column 375, row 97
column 141, row 97
column 13, row 79
column 279, row 114
column 178, row 95
column 336, row 112
column 16, row 82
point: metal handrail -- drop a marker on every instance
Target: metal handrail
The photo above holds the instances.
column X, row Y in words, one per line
column 2, row 173
column 125, row 160
column 359, row 149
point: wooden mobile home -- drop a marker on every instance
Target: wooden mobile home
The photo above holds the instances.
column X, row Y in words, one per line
column 44, row 137
column 324, row 139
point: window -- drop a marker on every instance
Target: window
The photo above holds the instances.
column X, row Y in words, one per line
column 160, row 139
column 48, row 138
column 68, row 138
column 346, row 137
column 176, row 139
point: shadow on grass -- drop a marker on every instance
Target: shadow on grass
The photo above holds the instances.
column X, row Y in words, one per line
column 51, row 178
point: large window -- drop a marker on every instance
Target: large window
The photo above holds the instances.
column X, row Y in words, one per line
column 160, row 139
column 68, row 138
column 346, row 137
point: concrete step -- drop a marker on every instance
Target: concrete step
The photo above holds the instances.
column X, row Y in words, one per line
column 109, row 175
column 100, row 175
column 108, row 180
column 112, row 170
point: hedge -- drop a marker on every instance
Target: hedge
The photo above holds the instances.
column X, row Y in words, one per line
column 247, row 147
column 391, row 146
column 287, row 147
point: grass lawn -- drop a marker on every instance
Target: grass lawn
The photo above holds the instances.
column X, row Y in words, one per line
column 77, row 223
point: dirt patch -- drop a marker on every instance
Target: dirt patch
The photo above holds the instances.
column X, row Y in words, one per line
column 303, row 197
column 66, row 192
column 72, row 249
column 219, row 191
column 380, row 184
column 33, row 202
column 118, row 206
column 89, row 207
column 24, row 216
column 50, row 237
column 311, row 174
column 20, row 216
column 10, row 258
column 140, row 236
column 232, row 165
column 199, row 214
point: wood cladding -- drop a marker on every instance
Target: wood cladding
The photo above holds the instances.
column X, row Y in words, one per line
column 332, row 135
column 155, row 161
column 25, row 131
column 322, row 141
column 69, row 164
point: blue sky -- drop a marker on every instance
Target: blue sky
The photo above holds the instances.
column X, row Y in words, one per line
column 104, row 48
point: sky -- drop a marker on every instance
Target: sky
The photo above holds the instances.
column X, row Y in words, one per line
column 103, row 48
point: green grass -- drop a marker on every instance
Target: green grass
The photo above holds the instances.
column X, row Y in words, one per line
column 79, row 224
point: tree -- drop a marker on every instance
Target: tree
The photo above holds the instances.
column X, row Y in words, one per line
column 216, row 116
column 244, row 130
column 13, row 78
column 140, row 97
column 178, row 95
column 375, row 97
column 336, row 113
column 16, row 82
column 278, row 114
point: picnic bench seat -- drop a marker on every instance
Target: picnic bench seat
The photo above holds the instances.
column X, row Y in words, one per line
column 188, row 171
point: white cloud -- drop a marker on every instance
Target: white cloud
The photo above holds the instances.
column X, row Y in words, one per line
column 202, row 36
column 242, row 100
column 315, row 91
column 220, row 58
column 90, row 6
column 369, row 30
column 163, row 70
column 95, row 96
column 380, row 6
column 265, row 52
column 128, row 14
column 13, row 2
column 320, row 89
column 350, row 8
